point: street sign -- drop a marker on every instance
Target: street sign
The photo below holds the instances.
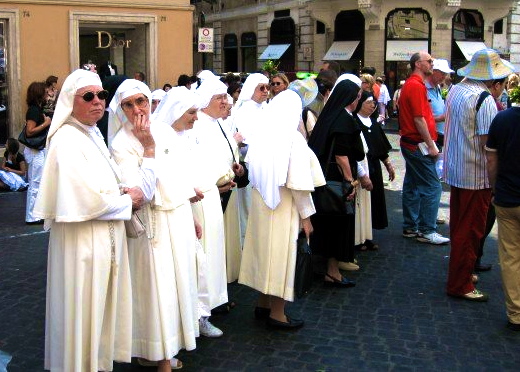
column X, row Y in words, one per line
column 206, row 40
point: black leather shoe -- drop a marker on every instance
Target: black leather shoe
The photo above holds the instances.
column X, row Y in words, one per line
column 262, row 313
column 290, row 324
column 513, row 326
column 37, row 222
column 343, row 283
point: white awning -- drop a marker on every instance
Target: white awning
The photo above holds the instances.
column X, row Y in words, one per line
column 341, row 50
column 402, row 50
column 468, row 48
column 274, row 51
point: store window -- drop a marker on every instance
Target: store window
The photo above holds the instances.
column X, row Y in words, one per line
column 408, row 30
column 467, row 37
column 249, row 50
column 283, row 31
column 230, row 53
column 349, row 25
column 118, row 49
column 116, row 43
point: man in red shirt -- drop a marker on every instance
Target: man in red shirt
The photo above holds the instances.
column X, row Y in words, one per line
column 421, row 187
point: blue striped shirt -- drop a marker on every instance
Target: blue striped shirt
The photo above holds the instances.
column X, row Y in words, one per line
column 464, row 155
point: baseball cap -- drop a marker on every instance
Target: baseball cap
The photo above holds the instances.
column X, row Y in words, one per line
column 442, row 65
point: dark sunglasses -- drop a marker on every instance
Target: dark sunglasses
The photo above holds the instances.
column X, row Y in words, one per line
column 263, row 88
column 89, row 96
column 275, row 83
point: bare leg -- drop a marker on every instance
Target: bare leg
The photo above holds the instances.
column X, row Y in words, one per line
column 278, row 309
column 333, row 270
column 264, row 301
column 164, row 366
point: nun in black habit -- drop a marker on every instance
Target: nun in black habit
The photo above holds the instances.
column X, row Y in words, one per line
column 338, row 132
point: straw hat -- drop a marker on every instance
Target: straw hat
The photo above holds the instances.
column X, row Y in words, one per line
column 307, row 89
column 486, row 64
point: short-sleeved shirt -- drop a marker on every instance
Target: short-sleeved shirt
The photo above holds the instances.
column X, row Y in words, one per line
column 35, row 114
column 413, row 102
column 504, row 139
column 464, row 155
column 16, row 164
column 437, row 104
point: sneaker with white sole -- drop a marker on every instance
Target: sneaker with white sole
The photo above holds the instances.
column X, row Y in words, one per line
column 432, row 238
column 209, row 330
column 476, row 295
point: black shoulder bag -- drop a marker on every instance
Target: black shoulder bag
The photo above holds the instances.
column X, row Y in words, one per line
column 331, row 199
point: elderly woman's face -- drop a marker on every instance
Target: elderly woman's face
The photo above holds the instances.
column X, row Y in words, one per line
column 187, row 120
column 88, row 112
column 261, row 93
column 136, row 105
column 217, row 106
column 277, row 86
column 367, row 107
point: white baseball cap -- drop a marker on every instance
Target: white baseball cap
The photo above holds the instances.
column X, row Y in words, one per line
column 442, row 65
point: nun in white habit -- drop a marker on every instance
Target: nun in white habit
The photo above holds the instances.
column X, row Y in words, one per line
column 215, row 171
column 283, row 172
column 88, row 321
column 250, row 103
column 162, row 260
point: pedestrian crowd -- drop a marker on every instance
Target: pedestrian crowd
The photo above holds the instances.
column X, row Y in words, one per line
column 157, row 200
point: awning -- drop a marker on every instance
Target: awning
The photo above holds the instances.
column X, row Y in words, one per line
column 402, row 50
column 468, row 48
column 274, row 51
column 341, row 50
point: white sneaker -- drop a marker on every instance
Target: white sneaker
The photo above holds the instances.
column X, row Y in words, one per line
column 432, row 238
column 207, row 329
column 348, row 266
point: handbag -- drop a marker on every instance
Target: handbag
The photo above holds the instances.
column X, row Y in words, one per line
column 36, row 142
column 303, row 273
column 134, row 226
column 331, row 198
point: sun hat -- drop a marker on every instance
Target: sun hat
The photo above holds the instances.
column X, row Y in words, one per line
column 442, row 65
column 486, row 64
column 307, row 89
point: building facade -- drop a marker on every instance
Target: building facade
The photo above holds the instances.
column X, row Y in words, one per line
column 300, row 34
column 39, row 38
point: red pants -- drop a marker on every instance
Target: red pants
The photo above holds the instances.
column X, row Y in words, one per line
column 468, row 211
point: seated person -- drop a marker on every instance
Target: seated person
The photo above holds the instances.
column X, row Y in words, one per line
column 13, row 168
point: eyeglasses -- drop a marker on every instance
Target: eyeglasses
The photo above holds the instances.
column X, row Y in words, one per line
column 141, row 102
column 89, row 96
column 219, row 97
column 430, row 61
column 276, row 83
column 263, row 88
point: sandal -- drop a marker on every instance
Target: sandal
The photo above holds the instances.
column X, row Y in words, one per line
column 371, row 246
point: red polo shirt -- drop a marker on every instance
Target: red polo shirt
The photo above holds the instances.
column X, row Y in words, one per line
column 413, row 102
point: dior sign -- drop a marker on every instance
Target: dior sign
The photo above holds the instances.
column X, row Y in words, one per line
column 108, row 40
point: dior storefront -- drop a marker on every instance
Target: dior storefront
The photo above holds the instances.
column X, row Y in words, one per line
column 42, row 38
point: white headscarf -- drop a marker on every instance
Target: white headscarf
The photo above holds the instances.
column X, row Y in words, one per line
column 353, row 78
column 205, row 75
column 208, row 88
column 116, row 116
column 248, row 89
column 277, row 148
column 175, row 103
column 158, row 94
column 76, row 80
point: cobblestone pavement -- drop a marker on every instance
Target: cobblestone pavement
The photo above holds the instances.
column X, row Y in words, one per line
column 398, row 317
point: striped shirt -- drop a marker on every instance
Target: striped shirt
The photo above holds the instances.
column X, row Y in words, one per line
column 464, row 155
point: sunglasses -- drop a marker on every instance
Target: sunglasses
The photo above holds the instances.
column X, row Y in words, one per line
column 275, row 83
column 263, row 88
column 141, row 102
column 89, row 96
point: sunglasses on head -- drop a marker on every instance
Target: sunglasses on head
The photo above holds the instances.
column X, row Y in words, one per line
column 89, row 96
column 276, row 83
